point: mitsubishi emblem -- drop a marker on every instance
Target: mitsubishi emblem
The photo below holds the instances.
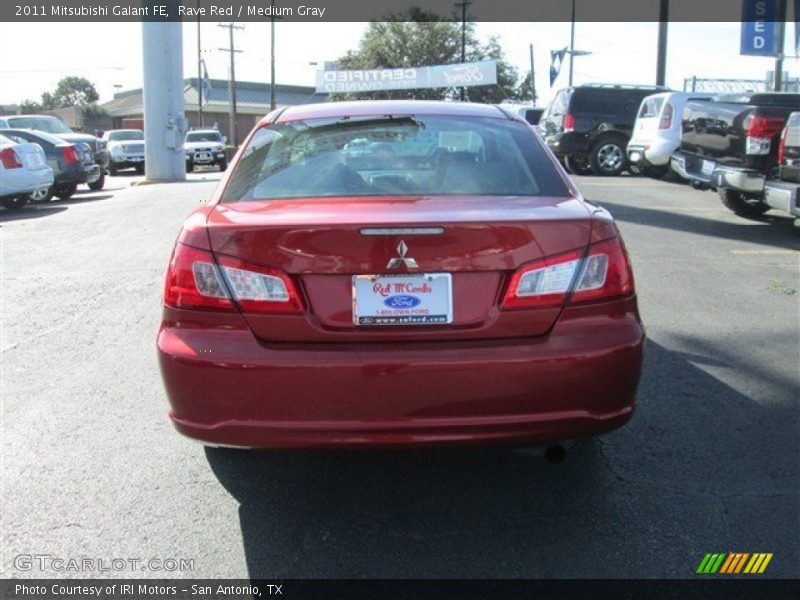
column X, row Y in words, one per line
column 394, row 263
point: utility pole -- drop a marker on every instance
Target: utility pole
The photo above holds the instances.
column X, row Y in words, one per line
column 663, row 24
column 199, row 72
column 781, row 33
column 463, row 4
column 232, row 82
column 571, row 43
column 272, row 58
column 533, row 80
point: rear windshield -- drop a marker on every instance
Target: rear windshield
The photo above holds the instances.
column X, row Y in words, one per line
column 651, row 107
column 46, row 124
column 124, row 136
column 382, row 156
column 204, row 136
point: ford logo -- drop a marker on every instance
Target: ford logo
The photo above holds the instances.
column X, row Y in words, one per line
column 402, row 301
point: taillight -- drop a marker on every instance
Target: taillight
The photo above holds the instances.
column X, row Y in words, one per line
column 603, row 273
column 569, row 122
column 196, row 281
column 782, row 146
column 69, row 155
column 666, row 117
column 10, row 159
column 760, row 131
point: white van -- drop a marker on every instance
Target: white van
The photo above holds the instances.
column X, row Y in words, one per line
column 657, row 131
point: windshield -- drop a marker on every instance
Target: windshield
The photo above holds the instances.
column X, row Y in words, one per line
column 382, row 156
column 46, row 124
column 124, row 136
column 203, row 136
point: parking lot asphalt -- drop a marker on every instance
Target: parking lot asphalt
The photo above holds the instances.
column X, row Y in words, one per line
column 91, row 466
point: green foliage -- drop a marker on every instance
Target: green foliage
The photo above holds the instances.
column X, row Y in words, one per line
column 420, row 38
column 74, row 91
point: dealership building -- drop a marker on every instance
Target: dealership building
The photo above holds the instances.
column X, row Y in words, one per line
column 126, row 110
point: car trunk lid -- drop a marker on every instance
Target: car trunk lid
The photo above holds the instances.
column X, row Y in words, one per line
column 323, row 243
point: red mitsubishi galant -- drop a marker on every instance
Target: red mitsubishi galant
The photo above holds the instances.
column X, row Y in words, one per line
column 398, row 273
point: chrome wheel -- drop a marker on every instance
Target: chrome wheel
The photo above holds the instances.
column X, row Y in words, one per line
column 610, row 157
column 40, row 195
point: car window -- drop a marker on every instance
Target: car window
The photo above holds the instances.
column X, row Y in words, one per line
column 651, row 107
column 558, row 107
column 7, row 141
column 432, row 155
column 203, row 136
column 123, row 136
column 46, row 124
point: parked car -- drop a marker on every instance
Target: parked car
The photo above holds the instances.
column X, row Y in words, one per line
column 783, row 193
column 58, row 128
column 126, row 147
column 205, row 147
column 657, row 131
column 469, row 295
column 72, row 164
column 588, row 127
column 23, row 170
column 532, row 114
column 731, row 145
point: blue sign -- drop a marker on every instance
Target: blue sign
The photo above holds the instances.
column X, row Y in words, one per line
column 760, row 28
column 402, row 301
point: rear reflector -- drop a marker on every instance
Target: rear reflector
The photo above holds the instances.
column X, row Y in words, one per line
column 604, row 273
column 196, row 281
column 10, row 159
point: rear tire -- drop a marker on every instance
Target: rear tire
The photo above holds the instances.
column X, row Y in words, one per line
column 66, row 192
column 607, row 156
column 98, row 185
column 741, row 205
column 576, row 166
column 223, row 165
column 44, row 195
column 112, row 170
column 189, row 167
column 140, row 169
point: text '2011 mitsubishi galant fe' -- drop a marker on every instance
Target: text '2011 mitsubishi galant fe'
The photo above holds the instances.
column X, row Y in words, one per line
column 398, row 273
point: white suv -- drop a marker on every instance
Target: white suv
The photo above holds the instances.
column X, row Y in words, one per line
column 205, row 147
column 657, row 131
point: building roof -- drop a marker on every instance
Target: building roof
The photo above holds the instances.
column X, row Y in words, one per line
column 251, row 98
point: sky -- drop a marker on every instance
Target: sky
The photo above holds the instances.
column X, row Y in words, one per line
column 110, row 54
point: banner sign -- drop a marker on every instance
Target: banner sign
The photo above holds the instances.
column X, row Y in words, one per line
column 759, row 28
column 437, row 76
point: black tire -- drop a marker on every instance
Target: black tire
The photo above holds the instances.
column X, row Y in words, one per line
column 112, row 170
column 223, row 165
column 98, row 185
column 41, row 196
column 189, row 167
column 607, row 156
column 140, row 169
column 741, row 204
column 576, row 166
column 15, row 202
column 656, row 172
column 65, row 192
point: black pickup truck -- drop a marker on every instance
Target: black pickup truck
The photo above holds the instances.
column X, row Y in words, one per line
column 731, row 145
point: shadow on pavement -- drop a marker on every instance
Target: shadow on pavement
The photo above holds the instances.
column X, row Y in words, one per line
column 29, row 212
column 771, row 230
column 700, row 468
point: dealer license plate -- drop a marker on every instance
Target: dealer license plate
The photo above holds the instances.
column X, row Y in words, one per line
column 403, row 299
column 707, row 168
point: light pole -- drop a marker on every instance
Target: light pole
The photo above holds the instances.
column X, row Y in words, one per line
column 463, row 4
column 232, row 82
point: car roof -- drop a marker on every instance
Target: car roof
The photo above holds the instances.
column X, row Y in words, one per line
column 42, row 135
column 202, row 131
column 366, row 108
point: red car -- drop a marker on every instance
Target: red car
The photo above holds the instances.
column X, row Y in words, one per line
column 398, row 273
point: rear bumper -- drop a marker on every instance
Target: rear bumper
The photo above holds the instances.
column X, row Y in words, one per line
column 19, row 182
column 227, row 388
column 716, row 175
column 568, row 143
column 783, row 196
column 656, row 154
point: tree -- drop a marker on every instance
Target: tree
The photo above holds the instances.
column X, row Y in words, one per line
column 30, row 107
column 74, row 91
column 420, row 38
